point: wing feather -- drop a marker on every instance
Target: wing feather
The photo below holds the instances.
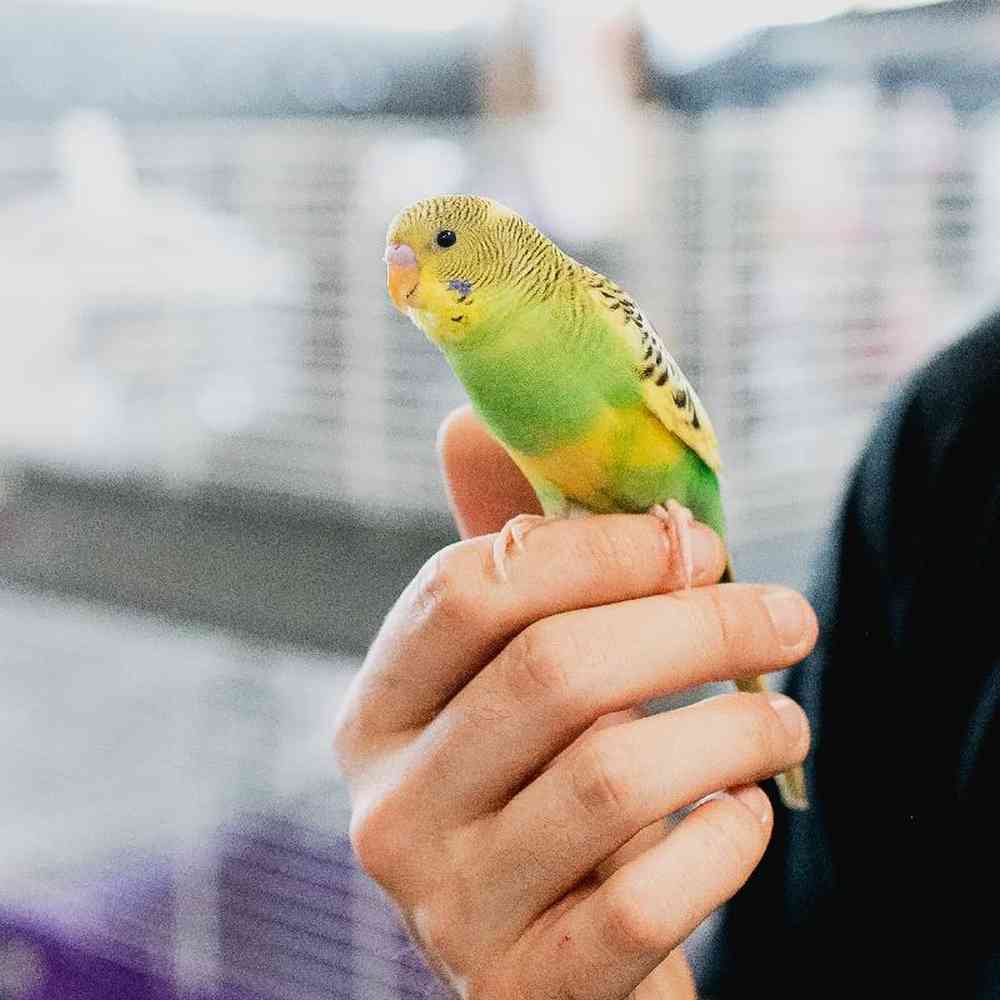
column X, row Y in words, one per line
column 666, row 390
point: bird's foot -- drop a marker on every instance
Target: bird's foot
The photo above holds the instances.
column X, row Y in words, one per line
column 678, row 520
column 510, row 538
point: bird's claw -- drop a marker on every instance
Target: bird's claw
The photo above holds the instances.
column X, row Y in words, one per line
column 511, row 538
column 678, row 520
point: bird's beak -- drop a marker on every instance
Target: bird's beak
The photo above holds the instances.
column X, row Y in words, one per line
column 403, row 273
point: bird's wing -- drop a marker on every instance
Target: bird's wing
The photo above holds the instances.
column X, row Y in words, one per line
column 666, row 390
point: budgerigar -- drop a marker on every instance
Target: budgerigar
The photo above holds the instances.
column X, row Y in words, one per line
column 565, row 370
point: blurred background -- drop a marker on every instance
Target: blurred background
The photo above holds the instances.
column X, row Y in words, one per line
column 216, row 437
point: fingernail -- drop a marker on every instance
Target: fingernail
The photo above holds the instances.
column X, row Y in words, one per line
column 756, row 801
column 705, row 546
column 792, row 717
column 788, row 615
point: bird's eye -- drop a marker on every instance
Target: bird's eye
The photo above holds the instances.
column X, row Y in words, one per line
column 445, row 238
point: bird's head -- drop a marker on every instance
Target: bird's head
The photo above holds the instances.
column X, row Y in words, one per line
column 449, row 257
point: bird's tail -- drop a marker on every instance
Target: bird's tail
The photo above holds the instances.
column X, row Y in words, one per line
column 791, row 783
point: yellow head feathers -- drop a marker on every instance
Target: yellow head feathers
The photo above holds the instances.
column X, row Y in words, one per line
column 453, row 255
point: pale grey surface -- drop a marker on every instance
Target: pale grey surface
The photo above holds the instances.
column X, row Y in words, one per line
column 125, row 736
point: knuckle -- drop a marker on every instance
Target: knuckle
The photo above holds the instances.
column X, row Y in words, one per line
column 600, row 782
column 366, row 837
column 720, row 633
column 537, row 661
column 349, row 736
column 374, row 835
column 626, row 926
column 602, row 547
column 759, row 731
column 344, row 737
column 440, row 590
column 450, row 926
column 707, row 623
column 730, row 840
column 435, row 928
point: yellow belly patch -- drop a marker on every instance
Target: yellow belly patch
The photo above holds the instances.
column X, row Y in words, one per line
column 591, row 469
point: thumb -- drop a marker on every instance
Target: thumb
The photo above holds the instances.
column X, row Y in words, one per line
column 486, row 489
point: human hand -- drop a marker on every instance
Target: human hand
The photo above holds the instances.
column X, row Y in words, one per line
column 506, row 791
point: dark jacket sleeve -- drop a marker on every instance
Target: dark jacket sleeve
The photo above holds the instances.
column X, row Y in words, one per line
column 880, row 885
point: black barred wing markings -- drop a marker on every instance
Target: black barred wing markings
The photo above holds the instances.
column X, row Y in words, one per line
column 666, row 389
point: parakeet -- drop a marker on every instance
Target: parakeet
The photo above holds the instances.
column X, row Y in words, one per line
column 565, row 370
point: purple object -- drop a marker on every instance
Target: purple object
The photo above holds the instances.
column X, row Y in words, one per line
column 282, row 912
column 38, row 963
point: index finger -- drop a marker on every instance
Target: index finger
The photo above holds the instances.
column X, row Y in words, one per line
column 459, row 612
column 486, row 489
